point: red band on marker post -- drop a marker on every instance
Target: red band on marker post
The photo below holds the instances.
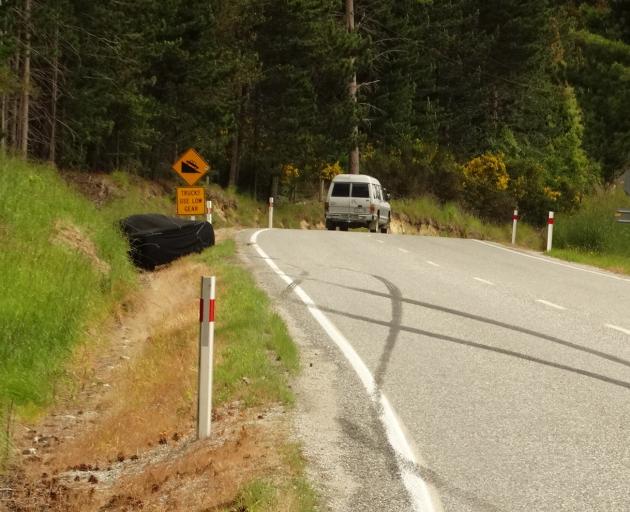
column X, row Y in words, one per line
column 210, row 310
column 516, row 217
column 550, row 220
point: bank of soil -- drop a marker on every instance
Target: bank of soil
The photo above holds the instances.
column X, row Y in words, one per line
column 121, row 435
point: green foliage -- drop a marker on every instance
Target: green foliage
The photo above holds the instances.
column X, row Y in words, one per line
column 486, row 183
column 255, row 84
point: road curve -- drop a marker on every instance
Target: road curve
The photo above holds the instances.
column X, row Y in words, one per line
column 509, row 373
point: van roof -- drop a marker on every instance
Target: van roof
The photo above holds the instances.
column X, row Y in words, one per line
column 355, row 178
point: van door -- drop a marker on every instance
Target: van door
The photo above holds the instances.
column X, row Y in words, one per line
column 339, row 202
column 360, row 198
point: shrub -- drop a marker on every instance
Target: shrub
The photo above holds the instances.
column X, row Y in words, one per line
column 485, row 185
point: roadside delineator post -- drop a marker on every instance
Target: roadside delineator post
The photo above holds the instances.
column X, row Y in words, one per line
column 209, row 212
column 206, row 342
column 270, row 212
column 514, row 223
column 550, row 221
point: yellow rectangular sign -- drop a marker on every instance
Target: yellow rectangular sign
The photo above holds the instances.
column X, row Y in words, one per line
column 191, row 201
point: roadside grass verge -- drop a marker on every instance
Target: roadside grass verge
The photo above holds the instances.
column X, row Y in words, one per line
column 592, row 236
column 62, row 263
column 450, row 219
column 154, row 394
column 292, row 493
column 256, row 355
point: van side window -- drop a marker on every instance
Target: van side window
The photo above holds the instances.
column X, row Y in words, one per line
column 341, row 189
column 377, row 192
column 360, row 190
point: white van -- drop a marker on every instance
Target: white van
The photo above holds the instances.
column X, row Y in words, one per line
column 357, row 200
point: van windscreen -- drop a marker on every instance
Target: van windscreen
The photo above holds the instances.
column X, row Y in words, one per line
column 341, row 189
column 360, row 190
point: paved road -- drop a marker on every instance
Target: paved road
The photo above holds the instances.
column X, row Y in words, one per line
column 509, row 373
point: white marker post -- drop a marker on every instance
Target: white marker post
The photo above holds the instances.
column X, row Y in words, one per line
column 209, row 212
column 270, row 212
column 514, row 223
column 550, row 231
column 206, row 342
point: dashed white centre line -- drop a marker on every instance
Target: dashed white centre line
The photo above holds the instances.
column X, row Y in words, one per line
column 550, row 304
column 617, row 328
column 380, row 241
column 484, row 281
column 403, row 250
column 432, row 263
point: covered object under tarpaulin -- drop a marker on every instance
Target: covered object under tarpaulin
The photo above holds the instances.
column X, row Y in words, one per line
column 156, row 239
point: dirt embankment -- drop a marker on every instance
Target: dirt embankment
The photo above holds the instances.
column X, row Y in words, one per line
column 122, row 434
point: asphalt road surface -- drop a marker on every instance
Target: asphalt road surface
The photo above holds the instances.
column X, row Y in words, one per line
column 508, row 373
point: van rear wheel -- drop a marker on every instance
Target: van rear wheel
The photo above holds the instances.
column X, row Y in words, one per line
column 385, row 228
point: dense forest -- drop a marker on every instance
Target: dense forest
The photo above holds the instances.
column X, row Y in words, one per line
column 491, row 103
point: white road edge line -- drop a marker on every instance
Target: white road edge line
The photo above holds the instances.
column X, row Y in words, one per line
column 403, row 250
column 484, row 281
column 406, row 459
column 551, row 304
column 553, row 262
column 617, row 328
column 432, row 263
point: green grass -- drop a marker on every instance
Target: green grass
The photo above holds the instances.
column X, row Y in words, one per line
column 257, row 355
column 591, row 235
column 50, row 290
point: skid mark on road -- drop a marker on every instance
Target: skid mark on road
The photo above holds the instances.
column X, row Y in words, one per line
column 407, row 461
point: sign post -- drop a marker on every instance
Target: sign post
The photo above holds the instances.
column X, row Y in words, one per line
column 622, row 215
column 514, row 223
column 270, row 212
column 550, row 221
column 209, row 212
column 206, row 342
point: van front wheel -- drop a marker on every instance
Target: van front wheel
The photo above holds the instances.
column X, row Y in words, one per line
column 385, row 228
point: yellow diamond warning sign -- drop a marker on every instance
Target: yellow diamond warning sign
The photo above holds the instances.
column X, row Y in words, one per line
column 191, row 166
column 191, row 201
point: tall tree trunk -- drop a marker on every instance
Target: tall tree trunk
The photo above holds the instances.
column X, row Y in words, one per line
column 354, row 152
column 26, row 78
column 4, row 125
column 236, row 143
column 234, row 161
column 14, row 103
column 52, row 145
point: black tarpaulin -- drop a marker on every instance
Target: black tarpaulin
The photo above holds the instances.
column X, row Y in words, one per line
column 156, row 239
